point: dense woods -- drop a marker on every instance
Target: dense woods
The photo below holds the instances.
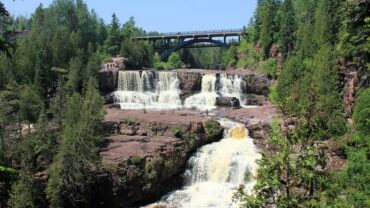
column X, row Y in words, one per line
column 50, row 106
column 313, row 38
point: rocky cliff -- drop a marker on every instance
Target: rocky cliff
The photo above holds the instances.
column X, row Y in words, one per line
column 144, row 154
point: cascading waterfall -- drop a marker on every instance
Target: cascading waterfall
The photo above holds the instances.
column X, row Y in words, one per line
column 232, row 86
column 160, row 90
column 216, row 170
column 206, row 100
column 148, row 90
column 213, row 87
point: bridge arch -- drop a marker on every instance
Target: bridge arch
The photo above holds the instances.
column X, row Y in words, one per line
column 167, row 53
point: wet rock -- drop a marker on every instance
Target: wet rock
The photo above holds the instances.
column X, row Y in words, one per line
column 259, row 130
column 257, row 100
column 110, row 127
column 190, row 83
column 145, row 159
column 228, row 102
column 108, row 80
column 109, row 99
column 257, row 84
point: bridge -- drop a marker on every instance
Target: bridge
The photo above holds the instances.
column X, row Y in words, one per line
column 167, row 43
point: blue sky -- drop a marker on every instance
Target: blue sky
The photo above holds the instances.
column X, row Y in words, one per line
column 161, row 15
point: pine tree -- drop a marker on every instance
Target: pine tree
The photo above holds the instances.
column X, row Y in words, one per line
column 114, row 39
column 72, row 172
column 287, row 29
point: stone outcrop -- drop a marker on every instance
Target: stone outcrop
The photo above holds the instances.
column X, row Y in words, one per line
column 145, row 154
column 228, row 102
column 190, row 83
column 349, row 78
column 108, row 80
column 257, row 84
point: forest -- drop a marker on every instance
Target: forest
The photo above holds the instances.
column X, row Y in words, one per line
column 51, row 107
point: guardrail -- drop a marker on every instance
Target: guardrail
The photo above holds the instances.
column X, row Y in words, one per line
column 191, row 33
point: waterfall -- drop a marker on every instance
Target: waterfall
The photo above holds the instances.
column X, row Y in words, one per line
column 160, row 90
column 206, row 100
column 216, row 170
column 213, row 87
column 148, row 90
column 232, row 86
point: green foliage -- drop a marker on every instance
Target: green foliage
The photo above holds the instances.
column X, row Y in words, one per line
column 273, row 95
column 136, row 160
column 168, row 164
column 269, row 67
column 288, row 28
column 361, row 113
column 174, row 61
column 231, row 57
column 267, row 24
column 178, row 132
column 24, row 193
column 250, row 56
column 291, row 74
column 71, row 174
column 212, row 129
column 158, row 64
column 129, row 121
column 30, row 104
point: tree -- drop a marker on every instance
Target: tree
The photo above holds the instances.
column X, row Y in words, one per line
column 30, row 105
column 288, row 28
column 114, row 39
column 71, row 175
column 23, row 192
column 174, row 61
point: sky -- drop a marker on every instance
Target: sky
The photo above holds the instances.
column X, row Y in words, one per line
column 161, row 15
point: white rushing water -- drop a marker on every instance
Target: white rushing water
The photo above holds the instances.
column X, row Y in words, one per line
column 232, row 86
column 213, row 87
column 160, row 90
column 216, row 170
column 148, row 90
column 206, row 99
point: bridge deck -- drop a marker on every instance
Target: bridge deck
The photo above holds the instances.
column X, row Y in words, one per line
column 193, row 34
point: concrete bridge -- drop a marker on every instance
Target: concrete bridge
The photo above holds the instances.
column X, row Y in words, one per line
column 167, row 43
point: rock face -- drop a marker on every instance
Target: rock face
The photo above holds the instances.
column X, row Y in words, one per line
column 228, row 102
column 108, row 80
column 147, row 152
column 190, row 83
column 257, row 84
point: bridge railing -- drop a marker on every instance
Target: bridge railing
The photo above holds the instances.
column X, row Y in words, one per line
column 191, row 33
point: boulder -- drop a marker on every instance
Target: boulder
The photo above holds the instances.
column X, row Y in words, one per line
column 228, row 102
column 257, row 100
column 109, row 99
column 190, row 82
column 257, row 84
column 108, row 80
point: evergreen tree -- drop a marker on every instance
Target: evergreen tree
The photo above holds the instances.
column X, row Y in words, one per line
column 287, row 29
column 114, row 39
column 71, row 176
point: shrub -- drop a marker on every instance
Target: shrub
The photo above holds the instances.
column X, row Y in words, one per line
column 135, row 160
column 273, row 95
column 269, row 67
column 168, row 164
column 129, row 121
column 212, row 129
column 177, row 131
column 174, row 61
